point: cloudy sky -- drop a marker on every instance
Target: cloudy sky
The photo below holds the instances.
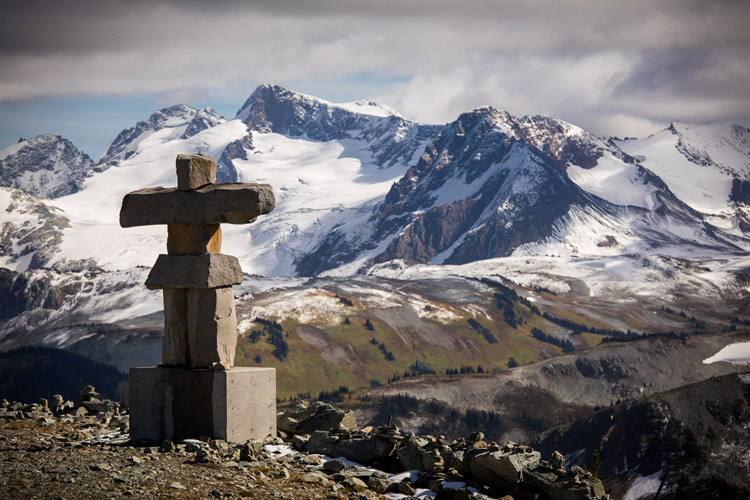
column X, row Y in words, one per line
column 86, row 69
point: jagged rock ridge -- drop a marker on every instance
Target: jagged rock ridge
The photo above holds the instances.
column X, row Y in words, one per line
column 185, row 121
column 47, row 166
column 391, row 138
column 30, row 231
column 489, row 185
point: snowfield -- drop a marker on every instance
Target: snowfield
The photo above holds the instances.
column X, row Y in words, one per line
column 705, row 188
column 615, row 181
column 738, row 354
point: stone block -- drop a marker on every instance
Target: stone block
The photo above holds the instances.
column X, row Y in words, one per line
column 209, row 270
column 193, row 239
column 174, row 346
column 212, row 326
column 233, row 203
column 171, row 403
column 195, row 171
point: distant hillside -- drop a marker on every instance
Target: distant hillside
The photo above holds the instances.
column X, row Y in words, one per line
column 693, row 438
column 30, row 373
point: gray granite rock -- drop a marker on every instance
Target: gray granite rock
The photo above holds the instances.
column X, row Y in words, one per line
column 212, row 326
column 195, row 171
column 211, row 204
column 208, row 270
column 175, row 350
column 305, row 417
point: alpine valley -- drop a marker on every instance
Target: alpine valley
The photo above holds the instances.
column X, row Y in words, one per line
column 519, row 276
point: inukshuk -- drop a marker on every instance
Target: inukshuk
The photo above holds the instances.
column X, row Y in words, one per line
column 200, row 322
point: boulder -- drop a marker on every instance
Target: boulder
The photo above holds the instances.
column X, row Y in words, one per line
column 503, row 470
column 305, row 417
column 410, row 452
column 377, row 485
column 366, row 451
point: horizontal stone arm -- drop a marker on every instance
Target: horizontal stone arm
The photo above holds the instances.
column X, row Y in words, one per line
column 232, row 203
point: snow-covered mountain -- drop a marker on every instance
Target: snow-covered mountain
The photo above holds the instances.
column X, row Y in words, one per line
column 175, row 122
column 47, row 166
column 30, row 230
column 361, row 189
column 491, row 185
column 707, row 167
column 358, row 185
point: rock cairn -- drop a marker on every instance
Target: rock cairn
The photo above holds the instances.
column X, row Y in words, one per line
column 210, row 397
column 92, row 411
column 200, row 322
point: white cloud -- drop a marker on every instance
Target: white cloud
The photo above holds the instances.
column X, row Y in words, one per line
column 597, row 64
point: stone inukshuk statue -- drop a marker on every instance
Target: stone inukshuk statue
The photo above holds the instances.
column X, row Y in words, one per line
column 200, row 322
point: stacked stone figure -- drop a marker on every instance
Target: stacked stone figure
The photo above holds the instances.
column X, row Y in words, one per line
column 200, row 322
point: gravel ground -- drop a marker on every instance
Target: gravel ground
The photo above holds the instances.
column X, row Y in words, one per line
column 52, row 459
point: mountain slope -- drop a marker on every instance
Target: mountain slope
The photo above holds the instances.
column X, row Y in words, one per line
column 358, row 185
column 175, row 122
column 30, row 230
column 693, row 438
column 46, row 166
column 491, row 185
column 361, row 189
column 707, row 167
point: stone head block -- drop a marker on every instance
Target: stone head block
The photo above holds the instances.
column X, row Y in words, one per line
column 195, row 171
column 208, row 270
column 233, row 203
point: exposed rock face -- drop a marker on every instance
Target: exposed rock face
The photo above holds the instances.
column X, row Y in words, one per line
column 46, row 166
column 235, row 150
column 30, row 230
column 392, row 139
column 696, row 436
column 185, row 121
column 489, row 184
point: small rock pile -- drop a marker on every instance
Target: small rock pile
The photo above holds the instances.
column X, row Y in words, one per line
column 91, row 410
column 511, row 470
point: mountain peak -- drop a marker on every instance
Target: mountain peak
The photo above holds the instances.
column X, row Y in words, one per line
column 47, row 166
column 265, row 93
column 185, row 120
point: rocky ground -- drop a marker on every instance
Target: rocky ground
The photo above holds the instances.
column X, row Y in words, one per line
column 63, row 450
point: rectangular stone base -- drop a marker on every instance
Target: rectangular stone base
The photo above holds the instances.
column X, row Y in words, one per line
column 173, row 403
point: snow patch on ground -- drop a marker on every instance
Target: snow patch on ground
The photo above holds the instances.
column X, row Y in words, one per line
column 603, row 276
column 738, row 354
column 312, row 306
column 644, row 486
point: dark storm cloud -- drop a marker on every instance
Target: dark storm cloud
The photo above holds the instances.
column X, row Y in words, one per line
column 603, row 65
